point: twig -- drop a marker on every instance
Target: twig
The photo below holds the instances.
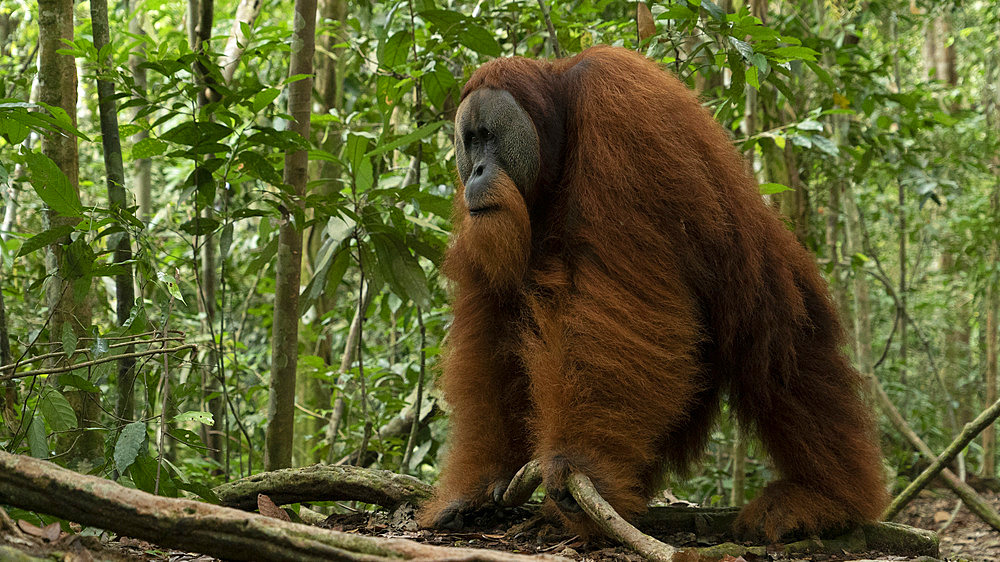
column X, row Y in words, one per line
column 605, row 516
column 523, row 484
column 969, row 432
column 69, row 368
column 58, row 354
column 969, row 496
column 164, row 393
column 7, row 524
column 552, row 30
column 412, row 441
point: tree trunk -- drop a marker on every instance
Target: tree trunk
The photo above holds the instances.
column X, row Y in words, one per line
column 143, row 166
column 313, row 393
column 8, row 391
column 124, row 288
column 750, row 127
column 284, row 339
column 350, row 349
column 68, row 301
column 200, row 15
column 246, row 12
column 992, row 304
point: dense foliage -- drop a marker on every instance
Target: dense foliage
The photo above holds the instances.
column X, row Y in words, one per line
column 872, row 125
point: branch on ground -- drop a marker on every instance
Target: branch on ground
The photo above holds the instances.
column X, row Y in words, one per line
column 199, row 527
column 716, row 523
column 523, row 484
column 968, row 433
column 325, row 483
column 612, row 524
column 969, row 497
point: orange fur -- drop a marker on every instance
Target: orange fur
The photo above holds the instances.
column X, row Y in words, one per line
column 598, row 322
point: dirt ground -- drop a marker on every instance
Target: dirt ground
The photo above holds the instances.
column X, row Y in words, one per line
column 964, row 538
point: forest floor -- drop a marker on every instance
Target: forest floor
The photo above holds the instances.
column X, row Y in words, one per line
column 966, row 537
column 520, row 530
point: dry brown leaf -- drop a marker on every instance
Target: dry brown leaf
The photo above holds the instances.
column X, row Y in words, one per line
column 268, row 508
column 49, row 532
column 644, row 19
column 941, row 516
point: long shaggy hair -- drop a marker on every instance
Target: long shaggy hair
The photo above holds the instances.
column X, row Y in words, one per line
column 600, row 318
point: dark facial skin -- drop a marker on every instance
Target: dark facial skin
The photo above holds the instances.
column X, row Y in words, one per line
column 494, row 137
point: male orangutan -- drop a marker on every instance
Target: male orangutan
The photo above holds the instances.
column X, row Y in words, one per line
column 615, row 272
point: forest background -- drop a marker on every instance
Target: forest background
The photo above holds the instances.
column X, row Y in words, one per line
column 241, row 273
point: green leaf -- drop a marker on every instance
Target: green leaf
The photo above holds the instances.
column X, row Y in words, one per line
column 226, row 240
column 677, row 12
column 148, row 147
column 56, row 410
column 264, row 98
column 751, row 77
column 259, row 167
column 793, row 53
column 264, row 257
column 129, row 444
column 361, row 164
column 364, row 177
column 439, row 85
column 402, row 270
column 295, row 78
column 99, row 348
column 394, row 51
column 337, row 271
column 772, row 188
column 357, row 147
column 204, row 492
column 826, row 145
column 763, row 67
column 79, row 260
column 193, row 133
column 13, row 129
column 479, row 40
column 69, row 339
column 713, row 10
column 170, row 282
column 431, row 203
column 809, row 125
column 37, row 443
column 76, row 381
column 44, row 239
column 744, row 48
column 423, row 132
column 445, row 19
column 200, row 226
column 944, row 119
column 204, row 418
column 143, row 473
column 822, row 74
column 52, row 185
column 331, row 261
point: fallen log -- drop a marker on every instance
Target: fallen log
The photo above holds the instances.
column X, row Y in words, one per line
column 194, row 526
column 325, row 483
